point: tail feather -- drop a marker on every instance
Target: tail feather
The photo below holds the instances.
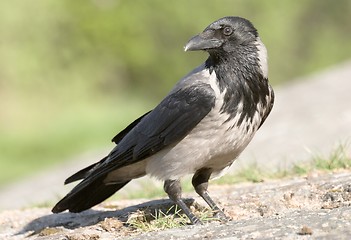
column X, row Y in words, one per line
column 88, row 196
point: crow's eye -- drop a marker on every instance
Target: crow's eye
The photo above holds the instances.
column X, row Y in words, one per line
column 227, row 31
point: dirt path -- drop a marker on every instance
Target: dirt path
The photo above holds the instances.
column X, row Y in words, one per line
column 317, row 206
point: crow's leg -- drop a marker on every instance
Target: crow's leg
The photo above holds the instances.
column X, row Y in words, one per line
column 174, row 191
column 200, row 183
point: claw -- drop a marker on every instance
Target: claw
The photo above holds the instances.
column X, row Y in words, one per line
column 221, row 216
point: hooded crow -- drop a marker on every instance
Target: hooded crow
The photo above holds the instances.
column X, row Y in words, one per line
column 199, row 128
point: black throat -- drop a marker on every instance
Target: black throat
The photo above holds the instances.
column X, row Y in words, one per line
column 240, row 76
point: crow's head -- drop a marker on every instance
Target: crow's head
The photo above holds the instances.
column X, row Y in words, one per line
column 231, row 38
column 225, row 34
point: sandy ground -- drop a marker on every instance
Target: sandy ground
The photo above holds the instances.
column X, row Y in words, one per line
column 314, row 206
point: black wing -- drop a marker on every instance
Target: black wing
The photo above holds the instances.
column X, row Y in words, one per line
column 168, row 123
column 124, row 132
column 83, row 173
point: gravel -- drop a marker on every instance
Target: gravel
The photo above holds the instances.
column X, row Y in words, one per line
column 317, row 205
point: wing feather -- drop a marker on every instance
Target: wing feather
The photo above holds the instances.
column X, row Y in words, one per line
column 168, row 123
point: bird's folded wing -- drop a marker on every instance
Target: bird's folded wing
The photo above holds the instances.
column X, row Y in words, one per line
column 116, row 139
column 168, row 123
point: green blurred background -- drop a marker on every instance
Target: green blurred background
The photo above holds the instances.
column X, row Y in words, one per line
column 75, row 72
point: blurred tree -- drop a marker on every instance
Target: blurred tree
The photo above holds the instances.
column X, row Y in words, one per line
column 68, row 68
column 106, row 45
column 139, row 43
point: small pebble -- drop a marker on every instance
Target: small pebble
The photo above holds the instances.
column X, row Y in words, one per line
column 305, row 231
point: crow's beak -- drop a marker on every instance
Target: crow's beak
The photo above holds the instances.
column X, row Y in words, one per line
column 202, row 42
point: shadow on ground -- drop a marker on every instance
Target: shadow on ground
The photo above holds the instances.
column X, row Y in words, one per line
column 91, row 217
